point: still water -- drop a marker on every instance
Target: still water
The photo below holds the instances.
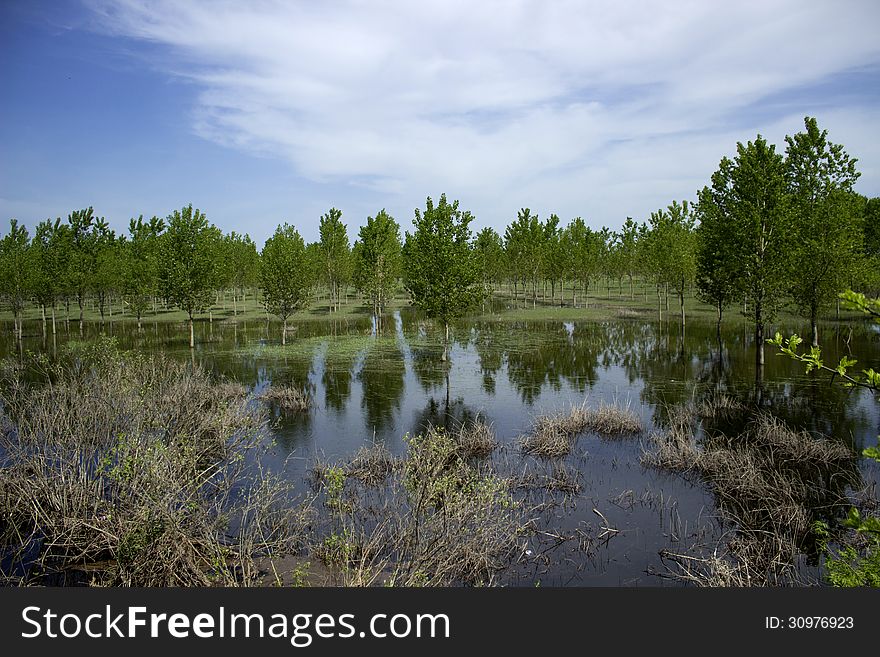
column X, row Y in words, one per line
column 368, row 387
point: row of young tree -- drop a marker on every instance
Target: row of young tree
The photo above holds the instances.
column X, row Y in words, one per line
column 769, row 229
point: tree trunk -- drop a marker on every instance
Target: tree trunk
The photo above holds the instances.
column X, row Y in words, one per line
column 814, row 325
column 284, row 333
column 445, row 342
column 192, row 337
column 759, row 337
column 718, row 325
column 660, row 302
column 43, row 311
column 681, row 306
column 53, row 318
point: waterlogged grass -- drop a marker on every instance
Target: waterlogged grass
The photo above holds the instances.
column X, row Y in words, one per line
column 337, row 351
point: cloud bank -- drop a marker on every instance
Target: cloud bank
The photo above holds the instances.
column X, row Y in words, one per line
column 599, row 109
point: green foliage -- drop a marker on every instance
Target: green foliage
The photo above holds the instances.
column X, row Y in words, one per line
column 524, row 242
column 489, row 251
column 188, row 263
column 820, row 177
column 749, row 194
column 335, row 254
column 441, row 271
column 285, row 276
column 672, row 246
column 718, row 278
column 581, row 249
column 140, row 263
column 378, row 259
column 14, row 271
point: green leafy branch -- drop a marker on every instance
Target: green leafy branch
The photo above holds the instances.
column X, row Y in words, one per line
column 813, row 361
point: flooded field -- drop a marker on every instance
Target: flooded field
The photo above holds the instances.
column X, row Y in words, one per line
column 602, row 518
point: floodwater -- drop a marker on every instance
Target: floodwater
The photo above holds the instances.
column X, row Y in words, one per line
column 370, row 387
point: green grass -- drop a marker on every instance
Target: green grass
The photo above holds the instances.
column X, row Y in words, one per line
column 598, row 305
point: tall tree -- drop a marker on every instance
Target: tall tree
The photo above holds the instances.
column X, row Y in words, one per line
column 552, row 266
column 717, row 274
column 107, row 272
column 336, row 254
column 81, row 262
column 46, row 266
column 187, row 263
column 674, row 248
column 489, row 251
column 750, row 191
column 580, row 246
column 140, row 264
column 627, row 245
column 378, row 263
column 441, row 271
column 245, row 261
column 284, row 274
column 14, row 283
column 523, row 242
column 820, row 177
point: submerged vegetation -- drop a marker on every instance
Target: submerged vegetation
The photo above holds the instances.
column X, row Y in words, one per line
column 771, row 484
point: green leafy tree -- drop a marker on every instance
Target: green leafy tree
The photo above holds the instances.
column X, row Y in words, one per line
column 820, row 177
column 187, row 263
column 82, row 255
column 627, row 240
column 524, row 241
column 46, row 267
column 552, row 266
column 245, row 266
column 489, row 252
column 717, row 275
column 750, row 193
column 674, row 248
column 336, row 254
column 285, row 276
column 441, row 271
column 378, row 260
column 140, row 264
column 108, row 267
column 14, row 283
column 580, row 248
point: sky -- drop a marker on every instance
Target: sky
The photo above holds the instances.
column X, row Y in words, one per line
column 266, row 112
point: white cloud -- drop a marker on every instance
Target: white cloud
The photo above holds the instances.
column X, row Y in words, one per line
column 600, row 109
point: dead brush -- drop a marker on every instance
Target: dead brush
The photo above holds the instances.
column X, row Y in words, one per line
column 476, row 439
column 232, row 390
column 720, row 406
column 287, row 398
column 548, row 442
column 109, row 479
column 770, row 482
column 439, row 521
column 371, row 465
column 561, row 479
column 555, row 435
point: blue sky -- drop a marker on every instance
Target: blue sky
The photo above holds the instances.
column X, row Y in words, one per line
column 266, row 112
